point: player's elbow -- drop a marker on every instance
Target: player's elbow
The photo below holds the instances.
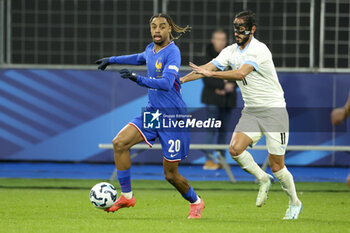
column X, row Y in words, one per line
column 167, row 87
column 167, row 83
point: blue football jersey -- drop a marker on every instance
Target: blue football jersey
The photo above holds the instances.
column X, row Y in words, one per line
column 163, row 79
column 164, row 64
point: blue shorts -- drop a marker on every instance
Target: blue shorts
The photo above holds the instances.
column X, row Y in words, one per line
column 175, row 143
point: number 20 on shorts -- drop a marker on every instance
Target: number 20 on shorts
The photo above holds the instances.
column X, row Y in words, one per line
column 175, row 146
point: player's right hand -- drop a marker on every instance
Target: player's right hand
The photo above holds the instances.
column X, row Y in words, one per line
column 103, row 63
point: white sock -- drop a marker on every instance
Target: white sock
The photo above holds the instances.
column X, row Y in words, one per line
column 127, row 195
column 247, row 163
column 198, row 200
column 287, row 183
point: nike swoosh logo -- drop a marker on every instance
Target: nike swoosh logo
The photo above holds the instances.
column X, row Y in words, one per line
column 171, row 156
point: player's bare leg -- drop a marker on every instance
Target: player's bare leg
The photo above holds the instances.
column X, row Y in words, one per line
column 182, row 185
column 238, row 146
column 122, row 143
column 348, row 180
column 281, row 172
column 125, row 139
column 173, row 176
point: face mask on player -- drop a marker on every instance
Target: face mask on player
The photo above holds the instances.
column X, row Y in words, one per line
column 241, row 28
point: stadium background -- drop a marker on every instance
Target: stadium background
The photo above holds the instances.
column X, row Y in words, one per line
column 55, row 105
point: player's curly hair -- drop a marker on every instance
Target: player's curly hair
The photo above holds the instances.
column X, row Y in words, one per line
column 173, row 25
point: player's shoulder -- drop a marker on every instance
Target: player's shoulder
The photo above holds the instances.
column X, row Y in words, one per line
column 172, row 51
column 259, row 46
column 229, row 50
column 173, row 47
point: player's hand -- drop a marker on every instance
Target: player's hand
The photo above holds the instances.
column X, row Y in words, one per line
column 182, row 80
column 200, row 70
column 103, row 63
column 125, row 73
column 338, row 115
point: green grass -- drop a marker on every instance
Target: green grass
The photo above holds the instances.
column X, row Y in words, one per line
column 48, row 205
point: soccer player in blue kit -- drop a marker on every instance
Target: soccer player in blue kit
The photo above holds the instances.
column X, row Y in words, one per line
column 163, row 60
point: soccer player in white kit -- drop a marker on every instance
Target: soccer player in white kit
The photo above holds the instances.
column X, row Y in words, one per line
column 264, row 110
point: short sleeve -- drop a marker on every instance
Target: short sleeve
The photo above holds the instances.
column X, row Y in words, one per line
column 222, row 60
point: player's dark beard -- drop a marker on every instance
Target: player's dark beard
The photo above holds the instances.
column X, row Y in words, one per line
column 244, row 40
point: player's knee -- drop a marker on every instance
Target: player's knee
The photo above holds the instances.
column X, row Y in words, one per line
column 119, row 144
column 234, row 151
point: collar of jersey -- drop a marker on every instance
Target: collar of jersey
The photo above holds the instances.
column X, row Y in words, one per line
column 242, row 51
column 162, row 48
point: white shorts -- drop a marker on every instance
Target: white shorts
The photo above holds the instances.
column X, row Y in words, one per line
column 272, row 122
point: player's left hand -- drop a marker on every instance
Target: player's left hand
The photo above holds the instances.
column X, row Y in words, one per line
column 125, row 73
column 200, row 70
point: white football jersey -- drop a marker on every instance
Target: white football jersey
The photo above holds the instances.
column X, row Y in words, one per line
column 260, row 88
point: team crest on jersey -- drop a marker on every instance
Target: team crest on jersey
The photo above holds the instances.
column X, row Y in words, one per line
column 158, row 65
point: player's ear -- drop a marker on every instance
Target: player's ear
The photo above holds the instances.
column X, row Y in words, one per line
column 253, row 29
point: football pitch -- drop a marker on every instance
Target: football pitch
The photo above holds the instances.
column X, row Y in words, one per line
column 59, row 205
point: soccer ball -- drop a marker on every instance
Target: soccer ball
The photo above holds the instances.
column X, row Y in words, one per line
column 103, row 195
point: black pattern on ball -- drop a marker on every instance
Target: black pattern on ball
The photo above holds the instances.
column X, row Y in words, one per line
column 102, row 186
column 94, row 203
column 113, row 197
column 93, row 194
column 104, row 204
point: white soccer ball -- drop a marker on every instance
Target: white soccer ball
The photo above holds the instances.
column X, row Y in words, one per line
column 103, row 195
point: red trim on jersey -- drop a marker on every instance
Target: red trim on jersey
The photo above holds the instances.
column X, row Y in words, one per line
column 176, row 87
column 144, row 137
column 172, row 161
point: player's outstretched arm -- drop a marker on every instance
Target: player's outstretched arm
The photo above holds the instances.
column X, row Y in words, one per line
column 339, row 115
column 238, row 75
column 134, row 59
column 194, row 76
